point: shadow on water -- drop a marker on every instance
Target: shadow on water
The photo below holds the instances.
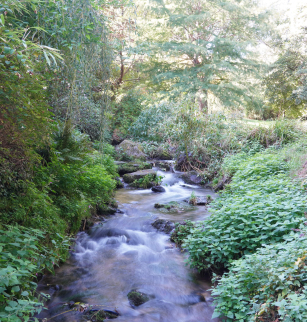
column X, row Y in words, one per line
column 127, row 253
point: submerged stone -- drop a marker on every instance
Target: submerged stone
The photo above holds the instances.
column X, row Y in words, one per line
column 175, row 207
column 102, row 315
column 137, row 298
column 163, row 225
column 158, row 189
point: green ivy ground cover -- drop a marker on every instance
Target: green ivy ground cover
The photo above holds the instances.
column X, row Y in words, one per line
column 269, row 285
column 250, row 235
column 24, row 255
column 260, row 206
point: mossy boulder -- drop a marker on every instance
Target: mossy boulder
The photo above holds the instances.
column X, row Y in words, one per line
column 130, row 167
column 137, row 298
column 109, row 209
column 191, row 177
column 162, row 154
column 174, row 207
column 131, row 177
column 131, row 150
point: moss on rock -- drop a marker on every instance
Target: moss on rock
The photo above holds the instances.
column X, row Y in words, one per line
column 131, row 150
column 131, row 177
column 137, row 298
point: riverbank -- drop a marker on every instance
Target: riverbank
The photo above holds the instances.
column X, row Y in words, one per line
column 42, row 209
column 256, row 233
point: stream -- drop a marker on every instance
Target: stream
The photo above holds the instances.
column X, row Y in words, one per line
column 126, row 253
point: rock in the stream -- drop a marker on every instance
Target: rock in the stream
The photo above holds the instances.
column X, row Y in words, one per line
column 132, row 149
column 159, row 205
column 162, row 165
column 158, row 189
column 130, row 167
column 200, row 201
column 163, row 225
column 119, row 184
column 110, row 209
column 174, row 207
column 137, row 298
column 102, row 315
column 191, row 177
column 130, row 177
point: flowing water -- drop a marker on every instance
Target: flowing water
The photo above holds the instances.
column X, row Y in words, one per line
column 125, row 253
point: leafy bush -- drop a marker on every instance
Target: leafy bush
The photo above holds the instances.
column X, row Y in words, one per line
column 150, row 123
column 261, row 205
column 24, row 254
column 66, row 186
column 182, row 230
column 269, row 285
column 280, row 133
column 33, row 207
column 148, row 181
column 126, row 111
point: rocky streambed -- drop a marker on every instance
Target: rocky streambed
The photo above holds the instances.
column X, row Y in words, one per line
column 126, row 268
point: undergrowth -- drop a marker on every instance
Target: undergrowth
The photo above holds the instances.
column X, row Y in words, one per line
column 269, row 285
column 70, row 181
column 260, row 205
column 250, row 236
column 202, row 141
column 24, row 255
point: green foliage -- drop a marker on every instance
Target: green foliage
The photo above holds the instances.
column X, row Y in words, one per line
column 268, row 285
column 182, row 231
column 25, row 118
column 78, row 86
column 206, row 49
column 50, row 177
column 24, row 253
column 66, row 186
column 193, row 199
column 282, row 80
column 126, row 111
column 279, row 133
column 70, row 144
column 148, row 181
column 149, row 125
column 203, row 140
column 260, row 206
column 155, row 150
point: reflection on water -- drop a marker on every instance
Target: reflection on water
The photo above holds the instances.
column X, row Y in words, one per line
column 127, row 253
